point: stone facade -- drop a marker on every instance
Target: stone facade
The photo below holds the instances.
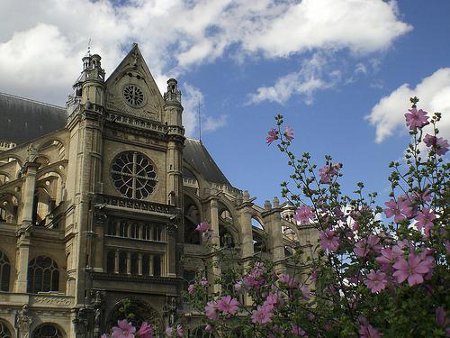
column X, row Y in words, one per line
column 100, row 214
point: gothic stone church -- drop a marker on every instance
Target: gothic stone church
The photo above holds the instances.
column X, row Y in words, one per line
column 99, row 202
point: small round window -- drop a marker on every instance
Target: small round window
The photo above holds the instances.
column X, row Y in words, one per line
column 133, row 175
column 133, row 95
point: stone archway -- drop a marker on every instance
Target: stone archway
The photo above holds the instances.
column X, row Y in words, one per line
column 136, row 311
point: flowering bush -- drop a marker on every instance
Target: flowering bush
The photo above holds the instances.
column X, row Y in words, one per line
column 375, row 271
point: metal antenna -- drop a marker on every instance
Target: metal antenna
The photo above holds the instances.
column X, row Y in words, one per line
column 89, row 47
column 199, row 122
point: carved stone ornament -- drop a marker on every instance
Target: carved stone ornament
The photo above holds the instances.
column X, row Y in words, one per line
column 32, row 153
column 23, row 321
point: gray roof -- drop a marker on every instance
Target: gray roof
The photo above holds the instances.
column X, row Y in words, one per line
column 199, row 158
column 22, row 120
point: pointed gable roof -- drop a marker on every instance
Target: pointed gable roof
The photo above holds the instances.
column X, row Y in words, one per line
column 133, row 71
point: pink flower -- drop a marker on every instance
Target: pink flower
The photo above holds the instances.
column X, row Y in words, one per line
column 441, row 317
column 228, row 305
column 298, row 331
column 425, row 220
column 168, row 331
column 238, row 286
column 416, row 118
column 368, row 331
column 288, row 280
column 305, row 291
column 376, row 281
column 145, row 331
column 389, row 256
column 211, row 310
column 328, row 240
column 262, row 315
column 180, row 330
column 288, row 133
column 272, row 136
column 208, row 328
column 401, row 209
column 104, row 336
column 328, row 171
column 271, row 300
column 365, row 245
column 124, row 330
column 203, row 281
column 414, row 269
column 191, row 289
column 303, row 214
column 438, row 144
column 203, row 227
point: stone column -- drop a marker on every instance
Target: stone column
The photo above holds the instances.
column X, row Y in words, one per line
column 116, row 262
column 28, row 188
column 25, row 221
column 150, row 265
column 247, row 250
column 128, row 263
column 117, row 228
column 139, row 264
column 272, row 220
column 215, row 270
column 23, row 247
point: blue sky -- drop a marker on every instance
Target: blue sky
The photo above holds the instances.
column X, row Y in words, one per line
column 340, row 71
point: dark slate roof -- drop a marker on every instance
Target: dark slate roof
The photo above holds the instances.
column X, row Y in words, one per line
column 22, row 120
column 198, row 157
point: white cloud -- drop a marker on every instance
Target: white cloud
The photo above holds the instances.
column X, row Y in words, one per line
column 41, row 42
column 212, row 124
column 192, row 99
column 360, row 25
column 310, row 78
column 433, row 91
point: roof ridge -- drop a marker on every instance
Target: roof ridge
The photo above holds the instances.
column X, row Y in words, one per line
column 31, row 100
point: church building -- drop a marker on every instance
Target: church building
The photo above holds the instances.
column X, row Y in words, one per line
column 98, row 205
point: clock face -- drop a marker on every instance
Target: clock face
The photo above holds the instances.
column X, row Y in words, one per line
column 133, row 95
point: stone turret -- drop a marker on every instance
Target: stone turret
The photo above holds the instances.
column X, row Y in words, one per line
column 89, row 88
column 172, row 107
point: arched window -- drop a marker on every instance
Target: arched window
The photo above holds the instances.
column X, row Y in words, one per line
column 43, row 275
column 145, row 265
column 134, row 231
column 4, row 331
column 123, row 229
column 157, row 266
column 47, row 331
column 2, row 215
column 122, row 262
column 5, row 271
column 110, row 261
column 157, row 233
column 147, row 231
column 112, row 228
column 134, row 264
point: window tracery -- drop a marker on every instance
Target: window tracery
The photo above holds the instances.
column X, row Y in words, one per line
column 133, row 175
column 5, row 272
column 47, row 331
column 43, row 275
column 4, row 331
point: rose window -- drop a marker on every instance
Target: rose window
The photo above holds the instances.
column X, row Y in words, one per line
column 133, row 175
column 133, row 95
